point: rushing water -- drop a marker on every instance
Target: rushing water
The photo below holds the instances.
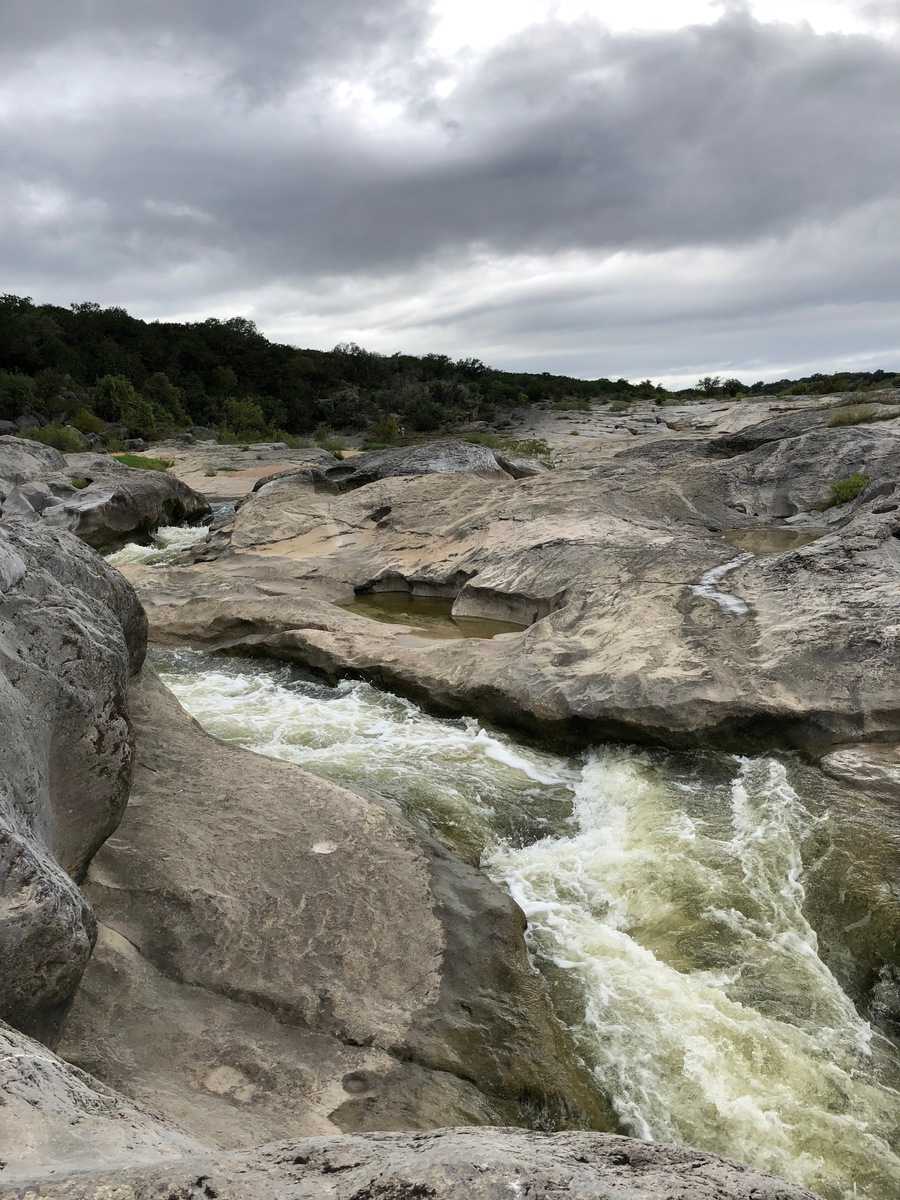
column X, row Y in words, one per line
column 673, row 903
column 165, row 544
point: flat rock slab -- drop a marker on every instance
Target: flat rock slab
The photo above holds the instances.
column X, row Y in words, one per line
column 280, row 956
column 452, row 1164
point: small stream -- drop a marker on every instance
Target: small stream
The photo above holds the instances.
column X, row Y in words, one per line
column 712, row 927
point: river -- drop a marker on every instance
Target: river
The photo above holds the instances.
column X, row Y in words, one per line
column 711, row 926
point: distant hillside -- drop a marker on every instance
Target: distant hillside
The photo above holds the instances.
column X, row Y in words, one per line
column 96, row 368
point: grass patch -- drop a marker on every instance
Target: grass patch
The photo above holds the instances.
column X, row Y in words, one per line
column 144, row 462
column 572, row 404
column 619, row 406
column 79, row 482
column 528, row 447
column 845, row 490
column 861, row 414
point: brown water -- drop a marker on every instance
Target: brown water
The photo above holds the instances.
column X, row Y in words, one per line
column 429, row 616
column 771, row 540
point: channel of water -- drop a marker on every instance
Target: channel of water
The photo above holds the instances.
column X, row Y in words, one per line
column 713, row 928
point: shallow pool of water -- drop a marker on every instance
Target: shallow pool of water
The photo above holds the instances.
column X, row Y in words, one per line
column 430, row 616
column 705, row 921
column 771, row 539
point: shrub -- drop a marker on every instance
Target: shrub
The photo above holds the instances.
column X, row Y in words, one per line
column 861, row 414
column 386, row 430
column 572, row 404
column 845, row 490
column 87, row 422
column 144, row 462
column 60, row 437
column 528, row 447
column 619, row 405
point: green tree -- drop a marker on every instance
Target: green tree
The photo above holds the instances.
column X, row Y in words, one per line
column 17, row 394
column 245, row 416
column 112, row 396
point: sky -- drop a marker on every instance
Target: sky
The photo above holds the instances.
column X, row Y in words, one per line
column 654, row 189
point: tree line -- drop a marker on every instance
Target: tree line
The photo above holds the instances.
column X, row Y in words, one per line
column 97, row 368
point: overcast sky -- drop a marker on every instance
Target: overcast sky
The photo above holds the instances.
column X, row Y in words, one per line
column 658, row 188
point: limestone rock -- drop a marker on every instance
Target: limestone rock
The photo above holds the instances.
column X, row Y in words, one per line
column 93, row 495
column 642, row 621
column 70, row 630
column 451, row 1164
column 55, row 1119
column 279, row 956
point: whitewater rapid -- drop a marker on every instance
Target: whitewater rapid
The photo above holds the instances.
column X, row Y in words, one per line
column 667, row 902
column 166, row 543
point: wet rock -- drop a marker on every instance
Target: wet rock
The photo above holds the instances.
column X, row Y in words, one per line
column 280, row 956
column 71, row 629
column 450, row 1164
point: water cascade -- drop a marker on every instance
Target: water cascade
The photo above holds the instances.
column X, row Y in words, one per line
column 678, row 905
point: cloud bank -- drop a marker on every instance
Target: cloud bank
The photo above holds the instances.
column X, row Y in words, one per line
column 714, row 197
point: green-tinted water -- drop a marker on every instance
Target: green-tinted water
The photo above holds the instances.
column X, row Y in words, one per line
column 675, row 903
column 429, row 616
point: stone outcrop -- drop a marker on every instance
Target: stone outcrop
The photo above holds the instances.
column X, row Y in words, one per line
column 101, row 500
column 280, row 956
column 55, row 1120
column 71, row 630
column 620, row 574
column 453, row 1164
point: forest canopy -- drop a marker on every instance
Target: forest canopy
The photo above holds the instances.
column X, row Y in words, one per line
column 93, row 367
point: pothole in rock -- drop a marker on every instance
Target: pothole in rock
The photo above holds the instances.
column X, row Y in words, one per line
column 771, row 539
column 429, row 616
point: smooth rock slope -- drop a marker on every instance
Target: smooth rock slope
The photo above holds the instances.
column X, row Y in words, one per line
column 280, row 956
column 71, row 632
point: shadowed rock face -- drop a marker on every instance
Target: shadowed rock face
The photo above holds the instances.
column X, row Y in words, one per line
column 36, row 482
column 71, row 629
column 280, row 956
column 619, row 570
column 451, row 1164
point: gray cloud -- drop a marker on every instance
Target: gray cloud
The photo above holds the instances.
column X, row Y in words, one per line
column 176, row 156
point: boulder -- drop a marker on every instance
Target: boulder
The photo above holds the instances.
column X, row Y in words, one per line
column 279, row 956
column 71, row 630
column 93, row 495
column 433, row 458
column 449, row 1164
column 30, row 420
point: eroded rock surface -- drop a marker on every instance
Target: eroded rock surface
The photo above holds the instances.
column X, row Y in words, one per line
column 643, row 622
column 280, row 956
column 452, row 1164
column 55, row 1119
column 92, row 495
column 71, row 630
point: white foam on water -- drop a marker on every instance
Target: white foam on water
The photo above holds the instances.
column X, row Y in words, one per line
column 708, row 1014
column 708, row 587
column 166, row 543
column 673, row 907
